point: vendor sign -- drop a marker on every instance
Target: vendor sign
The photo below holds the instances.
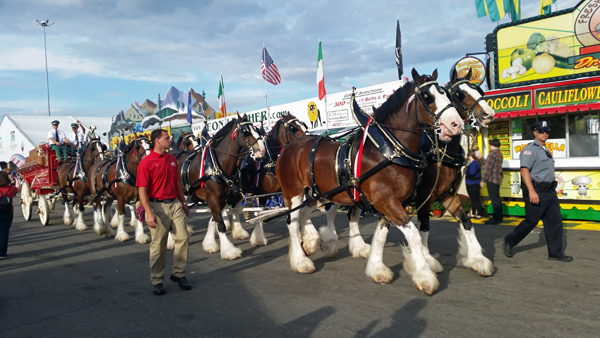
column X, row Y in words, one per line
column 476, row 67
column 567, row 95
column 510, row 102
column 552, row 48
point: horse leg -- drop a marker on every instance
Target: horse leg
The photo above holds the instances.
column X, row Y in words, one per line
column 358, row 247
column 328, row 234
column 209, row 244
column 67, row 216
column 310, row 235
column 228, row 250
column 171, row 242
column 99, row 224
column 375, row 267
column 258, row 235
column 122, row 236
column 298, row 260
column 414, row 260
column 114, row 218
column 237, row 232
column 106, row 213
column 80, row 223
column 469, row 248
column 423, row 216
column 140, row 236
column 133, row 221
column 225, row 217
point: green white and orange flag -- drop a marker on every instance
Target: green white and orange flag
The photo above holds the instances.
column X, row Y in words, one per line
column 320, row 77
column 222, row 98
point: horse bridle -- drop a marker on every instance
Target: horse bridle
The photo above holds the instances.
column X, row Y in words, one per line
column 457, row 96
column 240, row 126
column 187, row 139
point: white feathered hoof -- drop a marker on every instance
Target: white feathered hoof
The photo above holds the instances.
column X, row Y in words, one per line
column 302, row 265
column 81, row 226
column 310, row 245
column 122, row 236
column 114, row 222
column 133, row 222
column 109, row 232
column 482, row 266
column 380, row 273
column 258, row 236
column 210, row 246
column 143, row 239
column 237, row 232
column 328, row 242
column 362, row 252
column 170, row 242
column 426, row 282
column 99, row 229
column 67, row 218
column 231, row 253
column 434, row 264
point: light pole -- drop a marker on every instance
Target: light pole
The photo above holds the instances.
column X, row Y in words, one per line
column 46, row 24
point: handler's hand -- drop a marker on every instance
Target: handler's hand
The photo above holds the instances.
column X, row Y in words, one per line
column 151, row 220
column 481, row 184
column 186, row 209
column 534, row 198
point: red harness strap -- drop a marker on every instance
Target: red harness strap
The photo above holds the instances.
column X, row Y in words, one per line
column 358, row 160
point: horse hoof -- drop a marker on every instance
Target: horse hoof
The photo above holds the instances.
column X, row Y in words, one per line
column 81, row 227
column 122, row 237
column 428, row 290
column 211, row 248
column 143, row 239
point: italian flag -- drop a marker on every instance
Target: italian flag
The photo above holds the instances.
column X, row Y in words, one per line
column 320, row 77
column 222, row 98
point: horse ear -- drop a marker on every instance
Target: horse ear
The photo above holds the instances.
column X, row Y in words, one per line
column 454, row 75
column 434, row 75
column 469, row 74
column 416, row 77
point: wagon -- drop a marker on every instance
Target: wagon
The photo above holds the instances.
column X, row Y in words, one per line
column 40, row 183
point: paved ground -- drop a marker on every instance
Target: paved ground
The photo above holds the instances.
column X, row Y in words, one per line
column 59, row 282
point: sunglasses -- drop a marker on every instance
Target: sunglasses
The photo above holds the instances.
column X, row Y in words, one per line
column 543, row 130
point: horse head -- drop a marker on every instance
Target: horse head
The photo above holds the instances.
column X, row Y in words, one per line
column 434, row 106
column 247, row 137
column 189, row 141
column 469, row 100
column 287, row 129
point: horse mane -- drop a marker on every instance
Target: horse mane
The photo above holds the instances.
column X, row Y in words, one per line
column 179, row 141
column 223, row 131
column 393, row 103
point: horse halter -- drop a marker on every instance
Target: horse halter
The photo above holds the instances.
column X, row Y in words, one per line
column 189, row 140
column 244, row 128
column 425, row 97
column 289, row 126
column 457, row 96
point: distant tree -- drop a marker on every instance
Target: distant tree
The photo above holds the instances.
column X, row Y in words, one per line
column 159, row 103
column 204, row 104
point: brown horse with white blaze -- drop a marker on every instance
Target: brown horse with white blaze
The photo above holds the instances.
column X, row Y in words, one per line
column 73, row 179
column 116, row 180
column 385, row 184
column 258, row 178
column 213, row 173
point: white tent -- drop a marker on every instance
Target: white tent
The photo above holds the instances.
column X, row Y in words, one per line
column 19, row 133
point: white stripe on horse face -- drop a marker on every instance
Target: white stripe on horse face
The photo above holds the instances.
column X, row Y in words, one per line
column 261, row 145
column 488, row 113
column 99, row 150
column 146, row 146
column 450, row 117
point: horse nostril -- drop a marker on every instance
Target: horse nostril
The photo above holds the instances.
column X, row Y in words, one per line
column 454, row 125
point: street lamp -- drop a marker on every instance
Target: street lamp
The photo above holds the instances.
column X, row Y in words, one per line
column 46, row 24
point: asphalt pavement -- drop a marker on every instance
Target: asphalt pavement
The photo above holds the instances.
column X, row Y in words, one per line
column 60, row 282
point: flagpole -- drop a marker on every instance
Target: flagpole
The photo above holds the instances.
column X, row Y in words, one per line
column 266, row 90
column 326, row 115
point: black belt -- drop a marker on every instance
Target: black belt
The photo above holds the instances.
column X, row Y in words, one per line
column 170, row 200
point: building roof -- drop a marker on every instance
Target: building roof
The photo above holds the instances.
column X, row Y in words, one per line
column 35, row 128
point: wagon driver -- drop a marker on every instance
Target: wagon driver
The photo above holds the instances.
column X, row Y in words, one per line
column 77, row 137
column 165, row 209
column 57, row 141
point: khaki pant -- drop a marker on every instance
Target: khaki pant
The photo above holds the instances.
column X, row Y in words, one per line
column 169, row 217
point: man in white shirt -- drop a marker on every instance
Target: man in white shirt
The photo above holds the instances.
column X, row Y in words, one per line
column 57, row 140
column 77, row 137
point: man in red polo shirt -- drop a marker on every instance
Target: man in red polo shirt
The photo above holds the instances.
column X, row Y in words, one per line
column 165, row 210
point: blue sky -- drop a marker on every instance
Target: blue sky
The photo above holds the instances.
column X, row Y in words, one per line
column 105, row 54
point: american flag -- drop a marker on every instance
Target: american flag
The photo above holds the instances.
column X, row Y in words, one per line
column 268, row 68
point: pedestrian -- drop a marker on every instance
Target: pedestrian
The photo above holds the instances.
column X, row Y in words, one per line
column 492, row 176
column 7, row 192
column 165, row 209
column 57, row 141
column 539, row 194
column 76, row 138
column 473, row 182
